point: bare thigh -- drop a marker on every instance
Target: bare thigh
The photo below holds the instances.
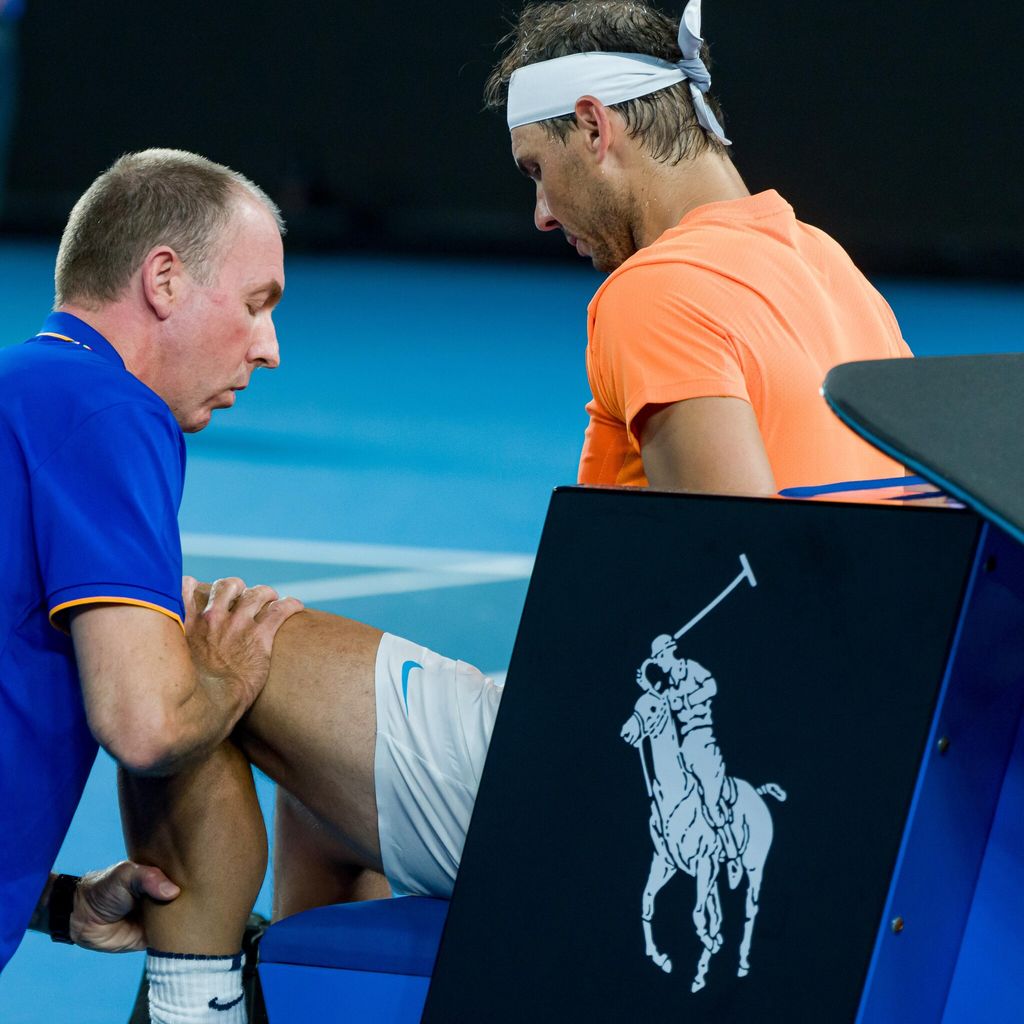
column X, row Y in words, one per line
column 312, row 867
column 313, row 728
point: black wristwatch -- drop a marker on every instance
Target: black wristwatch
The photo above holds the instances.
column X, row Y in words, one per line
column 60, row 906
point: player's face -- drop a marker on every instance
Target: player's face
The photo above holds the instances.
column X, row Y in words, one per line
column 225, row 330
column 574, row 197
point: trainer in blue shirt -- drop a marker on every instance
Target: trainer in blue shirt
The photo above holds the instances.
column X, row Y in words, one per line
column 167, row 276
column 93, row 464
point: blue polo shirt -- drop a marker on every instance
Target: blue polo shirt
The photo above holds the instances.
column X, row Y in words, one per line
column 92, row 465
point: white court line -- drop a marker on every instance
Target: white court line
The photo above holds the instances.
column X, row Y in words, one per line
column 382, row 556
column 370, row 584
column 412, row 569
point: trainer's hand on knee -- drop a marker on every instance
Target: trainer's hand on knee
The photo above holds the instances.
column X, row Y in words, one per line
column 106, row 914
column 232, row 637
column 195, row 595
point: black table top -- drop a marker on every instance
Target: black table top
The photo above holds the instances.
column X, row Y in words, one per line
column 956, row 420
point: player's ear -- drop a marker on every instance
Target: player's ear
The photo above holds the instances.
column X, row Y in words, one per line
column 162, row 280
column 594, row 120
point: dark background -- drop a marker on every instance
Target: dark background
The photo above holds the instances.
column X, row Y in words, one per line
column 896, row 127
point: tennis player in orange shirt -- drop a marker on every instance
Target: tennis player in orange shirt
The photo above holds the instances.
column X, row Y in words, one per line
column 722, row 313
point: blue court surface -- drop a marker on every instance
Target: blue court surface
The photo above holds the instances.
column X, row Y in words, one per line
column 395, row 469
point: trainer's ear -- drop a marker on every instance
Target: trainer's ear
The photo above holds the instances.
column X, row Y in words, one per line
column 598, row 126
column 163, row 279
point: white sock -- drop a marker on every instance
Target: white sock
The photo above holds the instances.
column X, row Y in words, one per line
column 186, row 989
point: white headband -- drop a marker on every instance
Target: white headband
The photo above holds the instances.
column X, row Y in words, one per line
column 551, row 88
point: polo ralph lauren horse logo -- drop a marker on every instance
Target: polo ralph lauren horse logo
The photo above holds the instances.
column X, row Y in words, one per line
column 700, row 817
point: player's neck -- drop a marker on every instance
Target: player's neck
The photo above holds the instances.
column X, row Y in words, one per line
column 669, row 193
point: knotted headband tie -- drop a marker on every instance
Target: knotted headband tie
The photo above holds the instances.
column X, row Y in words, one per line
column 551, row 88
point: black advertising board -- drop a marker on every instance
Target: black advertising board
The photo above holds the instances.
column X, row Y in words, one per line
column 702, row 687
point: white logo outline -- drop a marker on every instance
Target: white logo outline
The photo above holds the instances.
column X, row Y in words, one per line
column 700, row 816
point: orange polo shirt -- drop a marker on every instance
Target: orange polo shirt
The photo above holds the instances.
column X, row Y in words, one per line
column 739, row 300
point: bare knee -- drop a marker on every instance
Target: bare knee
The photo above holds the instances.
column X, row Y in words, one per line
column 313, row 728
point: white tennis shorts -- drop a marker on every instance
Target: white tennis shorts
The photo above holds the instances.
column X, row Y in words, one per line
column 434, row 722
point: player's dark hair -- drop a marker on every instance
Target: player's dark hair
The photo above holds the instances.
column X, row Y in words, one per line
column 156, row 197
column 663, row 122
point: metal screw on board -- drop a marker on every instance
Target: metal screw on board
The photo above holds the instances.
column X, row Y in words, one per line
column 943, row 744
column 897, row 925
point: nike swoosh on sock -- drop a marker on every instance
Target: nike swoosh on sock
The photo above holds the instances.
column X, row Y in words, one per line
column 216, row 1004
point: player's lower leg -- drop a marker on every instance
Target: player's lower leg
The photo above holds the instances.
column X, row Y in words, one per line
column 204, row 828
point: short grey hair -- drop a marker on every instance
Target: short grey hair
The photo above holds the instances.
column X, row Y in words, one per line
column 154, row 197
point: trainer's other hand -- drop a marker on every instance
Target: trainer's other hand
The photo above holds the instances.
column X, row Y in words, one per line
column 106, row 914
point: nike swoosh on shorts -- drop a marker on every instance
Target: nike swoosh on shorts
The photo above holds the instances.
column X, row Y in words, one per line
column 407, row 667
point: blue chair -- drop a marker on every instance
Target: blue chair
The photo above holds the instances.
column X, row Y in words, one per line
column 364, row 963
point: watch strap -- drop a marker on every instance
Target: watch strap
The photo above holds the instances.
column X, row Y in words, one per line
column 61, row 905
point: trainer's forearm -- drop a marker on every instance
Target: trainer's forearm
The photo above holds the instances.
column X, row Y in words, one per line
column 40, row 920
column 154, row 703
column 53, row 912
column 149, row 707
column 180, row 731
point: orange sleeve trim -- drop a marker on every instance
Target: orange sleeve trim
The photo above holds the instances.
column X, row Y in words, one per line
column 111, row 600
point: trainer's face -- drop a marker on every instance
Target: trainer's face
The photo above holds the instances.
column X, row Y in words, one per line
column 574, row 196
column 225, row 330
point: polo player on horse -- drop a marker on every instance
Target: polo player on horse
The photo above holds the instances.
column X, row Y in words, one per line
column 689, row 689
